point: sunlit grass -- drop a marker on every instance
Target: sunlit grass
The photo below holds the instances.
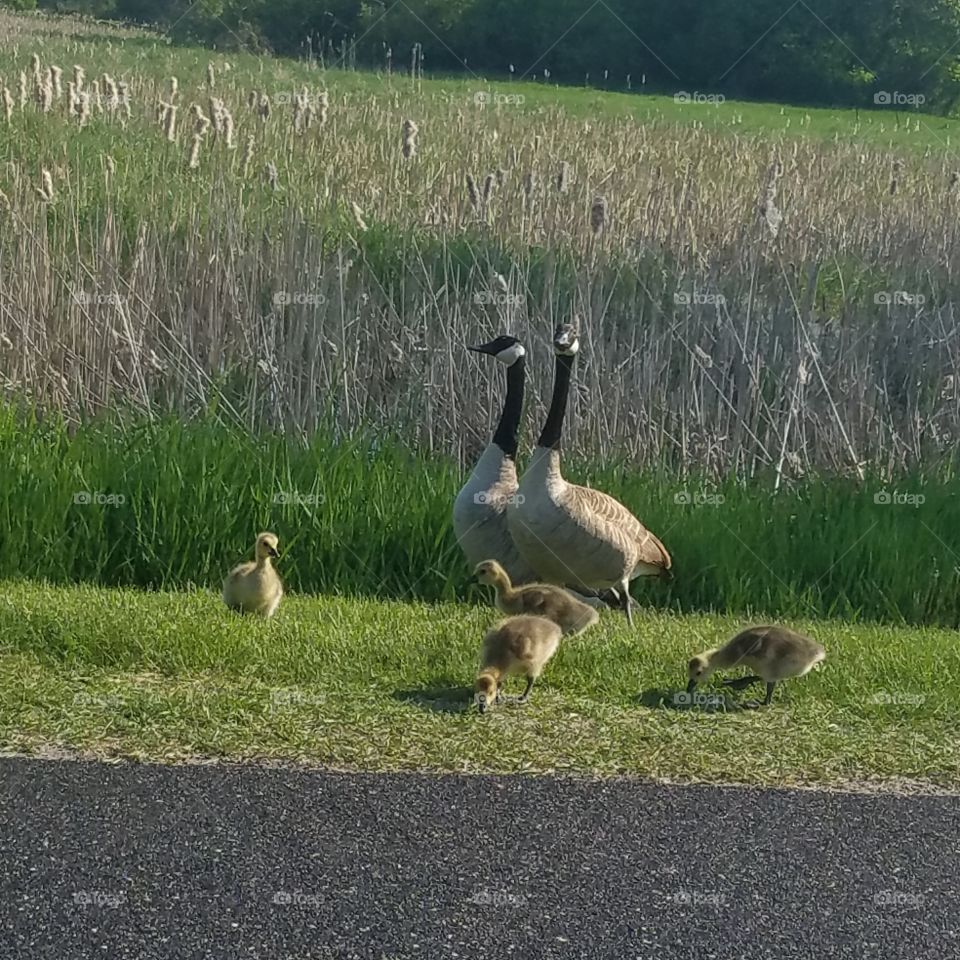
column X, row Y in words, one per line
column 378, row 685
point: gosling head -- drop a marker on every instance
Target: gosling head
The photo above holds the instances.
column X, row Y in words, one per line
column 699, row 670
column 485, row 692
column 267, row 544
column 566, row 339
column 490, row 572
column 508, row 350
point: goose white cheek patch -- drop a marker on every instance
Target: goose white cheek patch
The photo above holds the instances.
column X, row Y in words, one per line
column 512, row 354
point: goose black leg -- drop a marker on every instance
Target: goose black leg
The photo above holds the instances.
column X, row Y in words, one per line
column 740, row 683
column 525, row 696
column 625, row 603
column 769, row 696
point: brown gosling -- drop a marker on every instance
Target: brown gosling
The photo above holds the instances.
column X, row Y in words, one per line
column 772, row 653
column 519, row 645
column 255, row 587
column 538, row 599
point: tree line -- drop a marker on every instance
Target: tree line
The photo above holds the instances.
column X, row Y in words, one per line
column 842, row 52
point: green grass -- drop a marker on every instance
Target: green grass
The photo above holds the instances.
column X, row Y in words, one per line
column 368, row 516
column 376, row 685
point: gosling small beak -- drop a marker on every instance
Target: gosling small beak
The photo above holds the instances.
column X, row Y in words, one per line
column 273, row 553
column 691, row 686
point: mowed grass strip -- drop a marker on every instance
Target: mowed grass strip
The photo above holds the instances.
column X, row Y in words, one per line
column 370, row 685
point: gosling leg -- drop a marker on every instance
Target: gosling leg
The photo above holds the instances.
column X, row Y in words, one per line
column 525, row 696
column 741, row 683
column 769, row 696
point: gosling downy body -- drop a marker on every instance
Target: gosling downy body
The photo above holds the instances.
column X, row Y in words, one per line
column 255, row 587
column 537, row 599
column 773, row 654
column 518, row 645
column 571, row 534
column 480, row 510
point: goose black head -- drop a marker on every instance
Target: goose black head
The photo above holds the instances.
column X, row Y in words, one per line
column 566, row 339
column 508, row 350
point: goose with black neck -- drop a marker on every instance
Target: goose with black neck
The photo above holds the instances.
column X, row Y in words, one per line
column 571, row 534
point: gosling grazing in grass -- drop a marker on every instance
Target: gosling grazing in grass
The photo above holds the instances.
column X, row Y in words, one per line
column 519, row 645
column 571, row 534
column 772, row 653
column 255, row 587
column 538, row 599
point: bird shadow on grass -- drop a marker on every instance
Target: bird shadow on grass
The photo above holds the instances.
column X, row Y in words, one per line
column 705, row 701
column 438, row 699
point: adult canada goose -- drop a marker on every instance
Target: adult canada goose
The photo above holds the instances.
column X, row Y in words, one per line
column 772, row 653
column 519, row 645
column 539, row 599
column 480, row 510
column 255, row 587
column 577, row 535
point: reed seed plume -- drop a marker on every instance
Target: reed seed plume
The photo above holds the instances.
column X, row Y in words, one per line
column 472, row 192
column 271, row 175
column 358, row 217
column 598, row 215
column 211, row 76
column 56, row 78
column 529, row 187
column 45, row 190
column 323, row 107
column 174, row 89
column 263, row 111
column 247, row 158
column 78, row 76
column 170, row 122
column 8, row 104
column 22, row 91
column 563, row 177
column 196, row 142
column 410, row 131
column 489, row 181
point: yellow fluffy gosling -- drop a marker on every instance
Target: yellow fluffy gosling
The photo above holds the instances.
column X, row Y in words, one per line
column 519, row 645
column 255, row 587
column 539, row 599
column 772, row 653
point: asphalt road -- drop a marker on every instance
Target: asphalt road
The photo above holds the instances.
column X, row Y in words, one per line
column 130, row 861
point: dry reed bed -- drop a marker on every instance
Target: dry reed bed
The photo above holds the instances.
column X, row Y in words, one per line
column 732, row 289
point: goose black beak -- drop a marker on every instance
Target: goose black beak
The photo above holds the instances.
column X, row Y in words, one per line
column 691, row 686
column 481, row 348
